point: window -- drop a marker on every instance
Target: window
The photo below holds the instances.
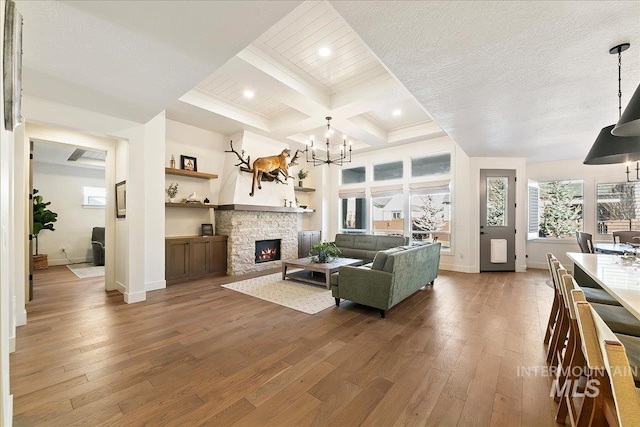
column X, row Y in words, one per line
column 559, row 208
column 353, row 175
column 387, row 171
column 94, row 196
column 388, row 214
column 431, row 165
column 618, row 207
column 353, row 214
column 497, row 201
column 431, row 213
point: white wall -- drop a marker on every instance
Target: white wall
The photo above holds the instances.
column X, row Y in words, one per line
column 6, row 311
column 207, row 147
column 565, row 170
column 458, row 258
column 63, row 187
column 237, row 184
column 130, row 233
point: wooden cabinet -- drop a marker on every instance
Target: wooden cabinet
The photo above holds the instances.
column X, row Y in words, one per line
column 176, row 259
column 191, row 257
column 306, row 239
column 218, row 260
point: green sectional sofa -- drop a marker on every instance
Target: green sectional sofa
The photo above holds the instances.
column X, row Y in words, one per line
column 364, row 246
column 394, row 275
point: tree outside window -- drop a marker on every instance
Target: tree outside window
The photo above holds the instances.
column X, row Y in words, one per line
column 561, row 208
column 430, row 218
column 497, row 202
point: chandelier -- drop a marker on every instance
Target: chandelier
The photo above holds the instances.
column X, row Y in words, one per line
column 338, row 160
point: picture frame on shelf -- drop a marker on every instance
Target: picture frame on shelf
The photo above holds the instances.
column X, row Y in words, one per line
column 188, row 163
column 121, row 199
column 207, row 229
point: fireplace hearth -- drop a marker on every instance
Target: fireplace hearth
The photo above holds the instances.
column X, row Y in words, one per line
column 267, row 250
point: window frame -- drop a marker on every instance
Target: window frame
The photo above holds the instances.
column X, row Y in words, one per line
column 538, row 183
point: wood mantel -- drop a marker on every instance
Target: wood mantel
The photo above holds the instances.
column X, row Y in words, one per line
column 258, row 208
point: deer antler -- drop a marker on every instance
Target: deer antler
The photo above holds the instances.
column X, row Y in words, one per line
column 246, row 163
column 294, row 161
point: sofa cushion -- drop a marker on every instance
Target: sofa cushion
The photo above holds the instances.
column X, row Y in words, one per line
column 352, row 253
column 387, row 242
column 380, row 260
column 365, row 242
column 344, row 240
column 370, row 255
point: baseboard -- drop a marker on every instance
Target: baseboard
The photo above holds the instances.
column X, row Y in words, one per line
column 134, row 297
column 539, row 265
column 458, row 268
column 21, row 316
column 64, row 261
column 7, row 416
column 120, row 288
column 154, row 286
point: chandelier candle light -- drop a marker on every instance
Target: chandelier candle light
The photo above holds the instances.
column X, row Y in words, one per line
column 329, row 160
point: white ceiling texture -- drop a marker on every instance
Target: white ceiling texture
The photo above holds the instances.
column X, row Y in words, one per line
column 508, row 79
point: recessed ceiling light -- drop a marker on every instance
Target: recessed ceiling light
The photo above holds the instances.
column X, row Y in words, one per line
column 324, row 51
column 248, row 94
column 397, row 112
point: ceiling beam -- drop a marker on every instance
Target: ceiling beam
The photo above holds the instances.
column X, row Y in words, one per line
column 206, row 102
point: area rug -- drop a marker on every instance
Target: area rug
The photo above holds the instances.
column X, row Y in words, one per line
column 85, row 270
column 299, row 296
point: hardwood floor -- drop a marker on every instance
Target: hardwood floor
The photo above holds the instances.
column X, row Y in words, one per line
column 197, row 354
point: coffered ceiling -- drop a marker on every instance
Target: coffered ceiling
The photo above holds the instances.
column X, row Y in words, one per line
column 528, row 79
column 294, row 87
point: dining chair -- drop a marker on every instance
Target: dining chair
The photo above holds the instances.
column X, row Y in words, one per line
column 585, row 241
column 555, row 307
column 613, row 398
column 626, row 237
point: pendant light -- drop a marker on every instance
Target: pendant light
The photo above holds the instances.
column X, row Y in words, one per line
column 629, row 123
column 610, row 149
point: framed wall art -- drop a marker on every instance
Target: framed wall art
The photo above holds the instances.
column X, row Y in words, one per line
column 189, row 163
column 12, row 66
column 121, row 199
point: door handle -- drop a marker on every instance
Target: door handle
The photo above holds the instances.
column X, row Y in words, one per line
column 482, row 232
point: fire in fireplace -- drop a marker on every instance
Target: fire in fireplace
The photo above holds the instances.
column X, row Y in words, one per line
column 267, row 250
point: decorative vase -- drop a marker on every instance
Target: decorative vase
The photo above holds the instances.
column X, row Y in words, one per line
column 172, row 199
column 323, row 257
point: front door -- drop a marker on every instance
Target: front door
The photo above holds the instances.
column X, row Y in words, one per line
column 497, row 220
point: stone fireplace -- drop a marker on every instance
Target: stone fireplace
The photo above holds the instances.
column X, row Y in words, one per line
column 246, row 224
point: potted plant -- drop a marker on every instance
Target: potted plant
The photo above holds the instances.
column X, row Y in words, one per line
column 172, row 191
column 302, row 174
column 43, row 219
column 323, row 252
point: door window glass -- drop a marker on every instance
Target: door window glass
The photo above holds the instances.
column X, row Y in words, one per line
column 497, row 201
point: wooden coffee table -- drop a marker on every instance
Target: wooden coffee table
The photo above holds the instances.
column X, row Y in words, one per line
column 309, row 268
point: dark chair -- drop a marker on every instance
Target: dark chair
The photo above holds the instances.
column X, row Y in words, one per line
column 97, row 242
column 585, row 242
column 626, row 236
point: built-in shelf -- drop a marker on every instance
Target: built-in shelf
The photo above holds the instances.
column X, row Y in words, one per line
column 191, row 174
column 190, row 205
column 304, row 210
column 304, row 189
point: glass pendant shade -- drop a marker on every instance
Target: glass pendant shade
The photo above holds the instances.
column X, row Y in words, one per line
column 610, row 149
column 629, row 123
